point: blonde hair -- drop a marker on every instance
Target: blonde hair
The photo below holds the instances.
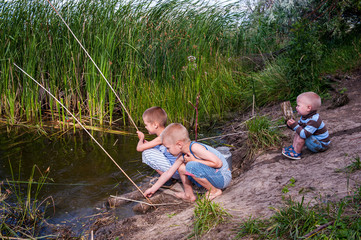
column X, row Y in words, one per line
column 312, row 99
column 175, row 132
column 155, row 115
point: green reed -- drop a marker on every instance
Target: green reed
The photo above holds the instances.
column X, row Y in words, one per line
column 23, row 213
column 142, row 50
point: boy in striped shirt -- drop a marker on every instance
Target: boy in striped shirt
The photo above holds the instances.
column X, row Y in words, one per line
column 154, row 153
column 310, row 129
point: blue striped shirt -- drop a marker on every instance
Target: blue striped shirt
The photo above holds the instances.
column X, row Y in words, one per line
column 312, row 124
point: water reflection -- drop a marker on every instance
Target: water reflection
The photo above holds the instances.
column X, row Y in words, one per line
column 81, row 175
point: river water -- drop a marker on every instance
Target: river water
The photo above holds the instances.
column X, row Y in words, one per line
column 81, row 175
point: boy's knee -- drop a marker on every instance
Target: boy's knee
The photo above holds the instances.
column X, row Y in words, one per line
column 314, row 145
column 155, row 159
column 190, row 166
column 146, row 156
column 182, row 169
column 151, row 154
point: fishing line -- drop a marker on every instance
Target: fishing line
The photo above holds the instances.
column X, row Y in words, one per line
column 131, row 119
column 85, row 131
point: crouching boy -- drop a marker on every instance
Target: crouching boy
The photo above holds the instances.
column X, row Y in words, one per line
column 154, row 154
column 204, row 164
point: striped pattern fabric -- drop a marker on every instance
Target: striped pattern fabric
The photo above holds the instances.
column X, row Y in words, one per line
column 160, row 159
column 312, row 124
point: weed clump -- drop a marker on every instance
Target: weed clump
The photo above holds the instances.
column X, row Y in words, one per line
column 261, row 135
column 22, row 214
column 355, row 165
column 207, row 215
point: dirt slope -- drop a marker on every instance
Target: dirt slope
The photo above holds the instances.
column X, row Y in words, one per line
column 252, row 192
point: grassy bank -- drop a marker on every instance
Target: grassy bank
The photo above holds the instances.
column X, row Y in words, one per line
column 300, row 220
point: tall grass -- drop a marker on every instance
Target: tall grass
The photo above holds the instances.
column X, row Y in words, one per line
column 161, row 54
column 141, row 48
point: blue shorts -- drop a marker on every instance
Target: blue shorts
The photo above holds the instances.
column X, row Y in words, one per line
column 314, row 144
column 213, row 175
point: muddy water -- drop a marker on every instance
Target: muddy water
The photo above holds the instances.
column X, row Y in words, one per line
column 81, row 175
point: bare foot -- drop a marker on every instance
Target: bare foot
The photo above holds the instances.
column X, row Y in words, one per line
column 212, row 195
column 185, row 197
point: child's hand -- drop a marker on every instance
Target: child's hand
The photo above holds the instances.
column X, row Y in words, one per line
column 290, row 122
column 188, row 158
column 149, row 192
column 140, row 135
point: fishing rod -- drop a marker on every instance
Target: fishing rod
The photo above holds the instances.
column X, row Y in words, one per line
column 46, row 90
column 41, row 183
column 96, row 66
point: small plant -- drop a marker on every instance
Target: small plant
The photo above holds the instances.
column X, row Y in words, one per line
column 343, row 90
column 171, row 215
column 355, row 165
column 251, row 226
column 261, row 135
column 290, row 184
column 22, row 214
column 207, row 215
column 295, row 220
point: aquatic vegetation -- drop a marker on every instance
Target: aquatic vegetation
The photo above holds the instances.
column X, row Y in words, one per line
column 22, row 213
column 139, row 47
column 166, row 54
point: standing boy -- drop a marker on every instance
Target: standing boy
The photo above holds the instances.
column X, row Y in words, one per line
column 204, row 164
column 154, row 154
column 310, row 129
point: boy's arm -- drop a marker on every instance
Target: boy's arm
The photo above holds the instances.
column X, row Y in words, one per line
column 292, row 123
column 144, row 145
column 308, row 130
column 206, row 157
column 164, row 177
